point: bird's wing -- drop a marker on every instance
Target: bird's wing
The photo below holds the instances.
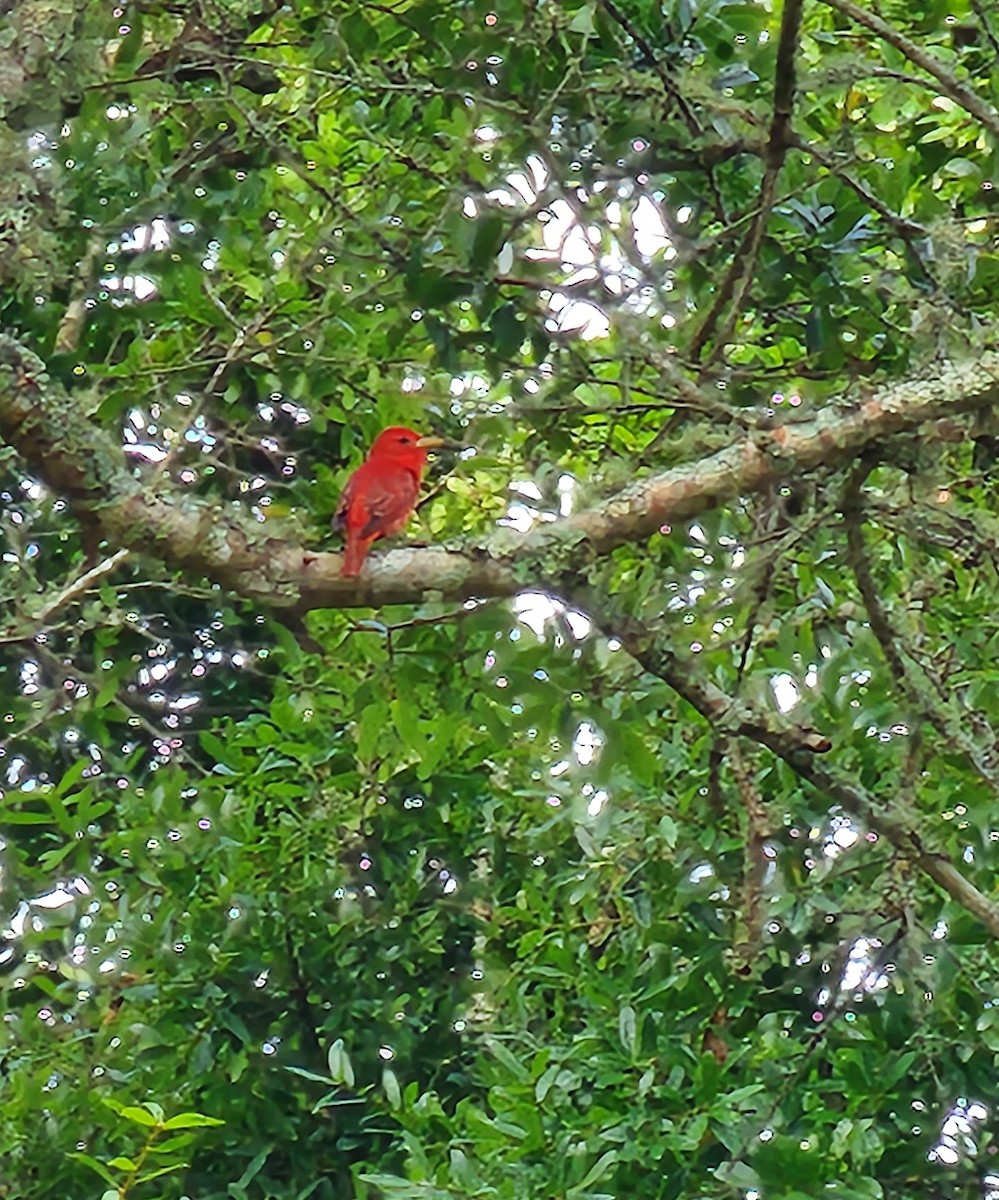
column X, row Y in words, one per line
column 375, row 502
column 343, row 505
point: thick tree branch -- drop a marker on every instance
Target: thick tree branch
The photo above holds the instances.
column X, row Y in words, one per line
column 797, row 745
column 55, row 435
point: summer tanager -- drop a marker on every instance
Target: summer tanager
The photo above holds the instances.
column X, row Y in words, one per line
column 381, row 494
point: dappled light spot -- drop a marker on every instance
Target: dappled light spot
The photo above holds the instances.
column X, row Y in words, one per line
column 958, row 1135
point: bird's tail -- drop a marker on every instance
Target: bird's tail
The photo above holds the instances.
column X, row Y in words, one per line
column 354, row 556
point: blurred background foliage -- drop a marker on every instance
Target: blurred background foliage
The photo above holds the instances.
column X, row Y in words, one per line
column 466, row 904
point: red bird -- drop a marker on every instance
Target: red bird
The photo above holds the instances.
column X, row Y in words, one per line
column 382, row 492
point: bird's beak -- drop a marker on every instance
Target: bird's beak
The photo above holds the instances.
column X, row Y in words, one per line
column 437, row 443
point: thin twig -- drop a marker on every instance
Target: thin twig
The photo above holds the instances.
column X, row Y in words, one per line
column 735, row 287
column 979, row 9
column 746, row 944
column 642, row 42
column 79, row 585
column 906, row 230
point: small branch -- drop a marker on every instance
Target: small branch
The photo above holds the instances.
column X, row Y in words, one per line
column 906, row 230
column 669, row 87
column 79, row 585
column 980, row 12
column 784, row 80
column 952, row 87
column 58, row 704
column 742, row 271
column 747, row 943
column 923, row 692
column 760, row 579
column 71, row 326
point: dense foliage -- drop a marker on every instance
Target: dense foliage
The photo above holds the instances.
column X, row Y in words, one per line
column 667, row 876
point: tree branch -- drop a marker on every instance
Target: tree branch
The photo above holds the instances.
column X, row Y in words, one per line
column 77, row 587
column 673, row 93
column 917, row 684
column 740, row 277
column 951, row 86
column 795, row 744
column 56, row 436
column 908, row 231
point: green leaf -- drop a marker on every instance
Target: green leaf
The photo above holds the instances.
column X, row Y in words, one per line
column 627, row 1026
column 583, row 21
column 341, row 1069
column 96, row 1166
column 120, row 1163
column 223, row 754
column 669, row 831
column 308, row 1074
column 138, row 1116
column 490, row 233
column 509, row 1060
column 598, row 1171
column 390, row 1085
column 253, row 1168
column 146, row 1176
column 191, row 1120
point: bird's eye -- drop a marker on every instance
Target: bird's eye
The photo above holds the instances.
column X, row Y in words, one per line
column 405, row 440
